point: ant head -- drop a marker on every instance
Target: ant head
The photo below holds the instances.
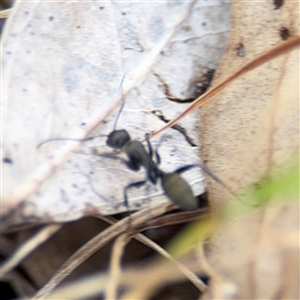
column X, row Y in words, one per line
column 118, row 139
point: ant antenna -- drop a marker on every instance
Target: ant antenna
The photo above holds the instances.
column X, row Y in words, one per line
column 92, row 137
column 120, row 110
column 69, row 139
column 123, row 101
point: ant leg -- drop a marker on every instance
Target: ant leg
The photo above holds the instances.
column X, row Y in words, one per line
column 150, row 150
column 208, row 172
column 157, row 156
column 134, row 184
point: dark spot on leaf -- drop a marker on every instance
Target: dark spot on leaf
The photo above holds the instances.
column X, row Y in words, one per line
column 7, row 160
column 284, row 33
column 204, row 83
column 123, row 13
column 240, row 50
column 101, row 7
column 51, row 18
column 78, row 27
column 204, row 24
column 8, row 52
column 32, row 33
column 24, row 90
column 26, row 12
column 278, row 3
column 82, row 124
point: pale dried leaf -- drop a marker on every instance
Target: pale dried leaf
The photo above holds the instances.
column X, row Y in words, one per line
column 248, row 130
column 62, row 66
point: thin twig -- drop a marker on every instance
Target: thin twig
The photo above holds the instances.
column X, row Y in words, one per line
column 115, row 266
column 198, row 283
column 27, row 247
column 289, row 45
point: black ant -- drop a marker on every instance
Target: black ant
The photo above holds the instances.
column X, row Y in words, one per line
column 175, row 187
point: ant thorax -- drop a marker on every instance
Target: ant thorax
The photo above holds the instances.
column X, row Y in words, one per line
column 136, row 151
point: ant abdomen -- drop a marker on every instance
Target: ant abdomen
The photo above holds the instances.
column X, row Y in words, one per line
column 178, row 191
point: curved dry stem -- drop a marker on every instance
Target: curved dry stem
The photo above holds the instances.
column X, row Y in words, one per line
column 194, row 279
column 191, row 276
column 289, row 45
column 95, row 284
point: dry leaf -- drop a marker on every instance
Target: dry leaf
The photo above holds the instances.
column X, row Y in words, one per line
column 246, row 132
column 62, row 67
